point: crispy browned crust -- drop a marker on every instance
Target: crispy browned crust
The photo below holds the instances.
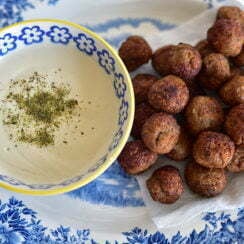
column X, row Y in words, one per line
column 181, row 60
column 165, row 185
column 160, row 133
column 232, row 92
column 237, row 163
column 231, row 12
column 226, row 37
column 183, row 147
column 141, row 84
column 215, row 71
column 213, row 150
column 204, row 48
column 142, row 112
column 169, row 94
column 134, row 52
column 136, row 157
column 234, row 124
column 203, row 181
column 203, row 113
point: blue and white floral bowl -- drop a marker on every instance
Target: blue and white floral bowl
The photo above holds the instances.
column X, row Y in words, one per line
column 96, row 73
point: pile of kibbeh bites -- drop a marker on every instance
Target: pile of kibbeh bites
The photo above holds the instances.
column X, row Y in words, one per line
column 210, row 131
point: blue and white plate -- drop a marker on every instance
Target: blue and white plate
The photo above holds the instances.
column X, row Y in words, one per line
column 110, row 209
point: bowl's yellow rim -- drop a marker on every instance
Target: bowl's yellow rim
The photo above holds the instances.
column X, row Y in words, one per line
column 124, row 139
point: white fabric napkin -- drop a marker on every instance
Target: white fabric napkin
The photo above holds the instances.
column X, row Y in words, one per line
column 190, row 205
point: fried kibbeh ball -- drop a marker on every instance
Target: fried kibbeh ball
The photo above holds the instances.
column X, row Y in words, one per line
column 159, row 59
column 215, row 71
column 204, row 181
column 234, row 124
column 203, row 113
column 136, row 157
column 181, row 60
column 134, row 52
column 169, row 94
column 165, row 185
column 237, row 163
column 160, row 133
column 142, row 112
column 141, row 84
column 204, row 48
column 231, row 12
column 213, row 149
column 232, row 92
column 182, row 148
column 239, row 59
column 226, row 36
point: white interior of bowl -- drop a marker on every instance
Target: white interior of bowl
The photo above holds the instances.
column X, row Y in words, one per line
column 92, row 143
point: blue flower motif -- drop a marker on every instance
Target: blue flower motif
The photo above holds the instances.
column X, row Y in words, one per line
column 7, row 43
column 59, row 34
column 85, row 44
column 106, row 61
column 157, row 238
column 119, row 85
column 123, row 112
column 32, row 35
column 116, row 139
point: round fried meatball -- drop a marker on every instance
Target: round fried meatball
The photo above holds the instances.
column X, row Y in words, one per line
column 203, row 181
column 233, row 91
column 231, row 12
column 215, row 71
column 165, row 185
column 239, row 59
column 226, row 36
column 160, row 133
column 203, row 113
column 234, row 124
column 213, row 150
column 204, row 48
column 183, row 147
column 160, row 57
column 182, row 60
column 237, row 163
column 141, row 84
column 169, row 94
column 136, row 157
column 134, row 52
column 142, row 112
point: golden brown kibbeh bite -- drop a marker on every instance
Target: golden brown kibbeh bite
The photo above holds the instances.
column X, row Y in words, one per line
column 136, row 157
column 165, row 185
column 181, row 60
column 204, row 48
column 215, row 71
column 134, row 52
column 169, row 94
column 237, row 163
column 160, row 133
column 142, row 112
column 203, row 113
column 182, row 148
column 226, row 36
column 231, row 12
column 234, row 124
column 141, row 84
column 232, row 92
column 204, row 181
column 213, row 150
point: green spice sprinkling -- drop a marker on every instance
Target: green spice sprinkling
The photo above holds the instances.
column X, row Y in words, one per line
column 35, row 109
